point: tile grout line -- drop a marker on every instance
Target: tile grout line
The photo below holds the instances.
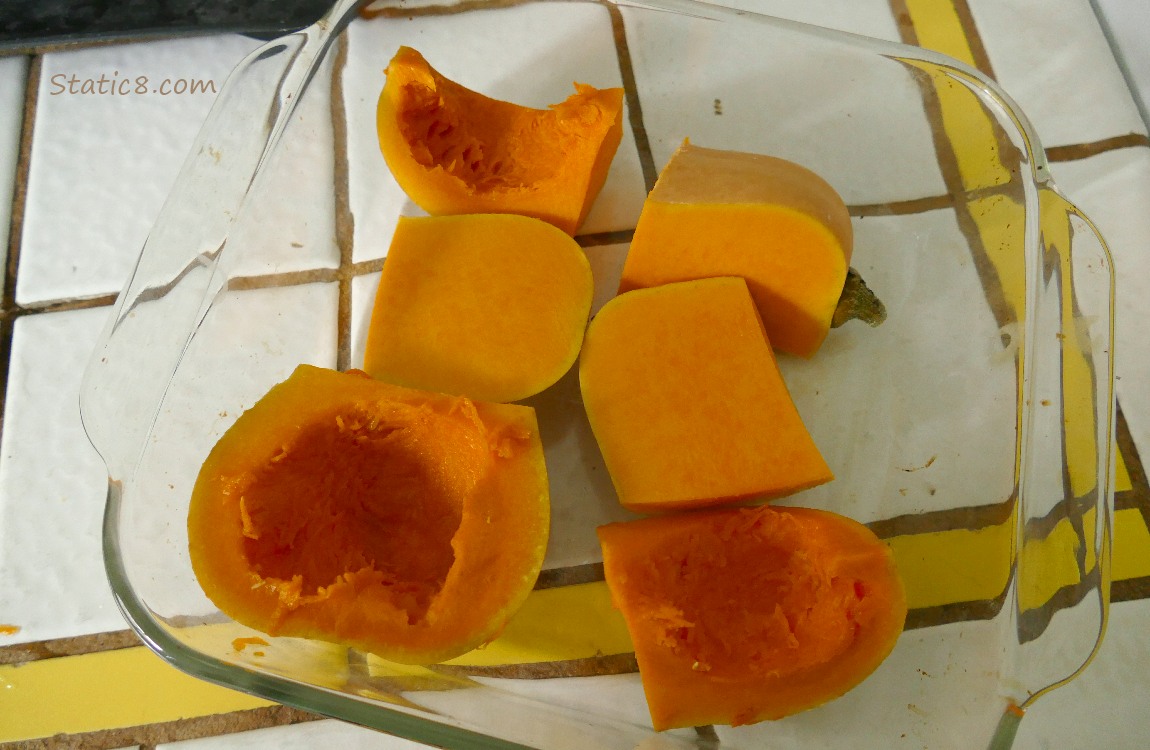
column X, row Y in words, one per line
column 1080, row 151
column 631, row 95
column 190, row 728
column 8, row 306
column 76, row 645
column 973, row 38
column 344, row 218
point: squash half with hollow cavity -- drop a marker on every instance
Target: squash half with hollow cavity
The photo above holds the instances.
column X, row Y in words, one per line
column 401, row 522
column 749, row 614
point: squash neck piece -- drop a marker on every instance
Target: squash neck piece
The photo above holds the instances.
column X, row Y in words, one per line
column 702, row 176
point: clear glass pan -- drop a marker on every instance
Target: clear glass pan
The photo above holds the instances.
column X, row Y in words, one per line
column 971, row 430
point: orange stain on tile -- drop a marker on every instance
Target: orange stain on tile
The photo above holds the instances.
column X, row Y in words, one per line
column 9, row 629
column 239, row 644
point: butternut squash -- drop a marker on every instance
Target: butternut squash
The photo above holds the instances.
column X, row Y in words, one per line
column 743, row 615
column 489, row 306
column 456, row 151
column 773, row 222
column 404, row 523
column 686, row 401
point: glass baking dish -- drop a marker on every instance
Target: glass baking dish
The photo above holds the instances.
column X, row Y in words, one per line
column 971, row 429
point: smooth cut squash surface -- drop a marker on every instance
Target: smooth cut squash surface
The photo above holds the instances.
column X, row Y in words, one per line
column 686, row 401
column 488, row 306
column 743, row 615
column 408, row 524
column 456, row 151
column 773, row 222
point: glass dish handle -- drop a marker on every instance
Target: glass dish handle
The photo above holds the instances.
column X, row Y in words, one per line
column 1060, row 600
column 176, row 274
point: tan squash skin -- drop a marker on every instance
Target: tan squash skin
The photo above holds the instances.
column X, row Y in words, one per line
column 773, row 222
column 456, row 151
column 407, row 524
column 687, row 402
column 750, row 614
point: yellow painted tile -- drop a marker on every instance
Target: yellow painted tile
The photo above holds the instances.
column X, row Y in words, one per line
column 571, row 622
column 953, row 566
column 1131, row 556
column 1049, row 564
column 1000, row 222
column 1122, row 480
column 937, row 27
column 1078, row 375
column 106, row 690
column 969, row 129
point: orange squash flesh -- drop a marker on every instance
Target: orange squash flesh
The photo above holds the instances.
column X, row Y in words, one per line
column 404, row 523
column 777, row 224
column 456, row 151
column 743, row 615
column 686, row 401
column 489, row 306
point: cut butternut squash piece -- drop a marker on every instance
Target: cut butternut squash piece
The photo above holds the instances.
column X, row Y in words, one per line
column 687, row 403
column 488, row 306
column 775, row 223
column 748, row 614
column 456, row 151
column 401, row 522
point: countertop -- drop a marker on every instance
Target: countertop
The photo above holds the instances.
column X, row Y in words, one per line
column 82, row 177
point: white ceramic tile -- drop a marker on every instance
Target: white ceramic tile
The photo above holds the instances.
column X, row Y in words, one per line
column 1106, row 705
column 1053, row 59
column 1128, row 27
column 1113, row 189
column 855, row 118
column 312, row 734
column 289, row 224
column 102, row 165
column 501, row 53
column 13, row 73
column 871, row 18
column 52, row 486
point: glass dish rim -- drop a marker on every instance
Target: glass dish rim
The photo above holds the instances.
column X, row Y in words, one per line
column 378, row 716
